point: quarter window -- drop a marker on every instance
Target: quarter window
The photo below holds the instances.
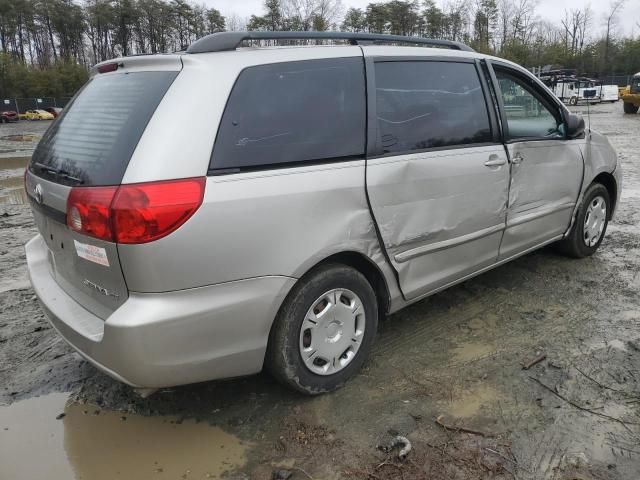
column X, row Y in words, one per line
column 527, row 115
column 293, row 112
column 424, row 104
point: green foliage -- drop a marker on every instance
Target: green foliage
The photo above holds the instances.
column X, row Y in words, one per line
column 18, row 79
column 47, row 46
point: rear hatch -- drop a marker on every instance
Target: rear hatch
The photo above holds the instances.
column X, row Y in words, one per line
column 88, row 146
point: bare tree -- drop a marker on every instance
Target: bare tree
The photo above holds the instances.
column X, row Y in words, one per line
column 506, row 9
column 235, row 23
column 523, row 20
column 573, row 25
column 611, row 21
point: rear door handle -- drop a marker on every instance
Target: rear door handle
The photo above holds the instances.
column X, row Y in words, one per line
column 494, row 161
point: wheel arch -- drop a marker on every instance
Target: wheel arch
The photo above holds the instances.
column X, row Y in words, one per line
column 366, row 267
column 609, row 182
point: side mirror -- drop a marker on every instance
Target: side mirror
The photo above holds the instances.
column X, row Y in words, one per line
column 575, row 125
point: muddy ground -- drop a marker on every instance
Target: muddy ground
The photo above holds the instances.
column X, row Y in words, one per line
column 456, row 357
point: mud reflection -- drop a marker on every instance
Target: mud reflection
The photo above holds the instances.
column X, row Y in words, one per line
column 12, row 191
column 11, row 180
column 80, row 441
column 26, row 137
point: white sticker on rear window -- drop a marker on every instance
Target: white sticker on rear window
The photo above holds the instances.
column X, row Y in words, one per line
column 92, row 253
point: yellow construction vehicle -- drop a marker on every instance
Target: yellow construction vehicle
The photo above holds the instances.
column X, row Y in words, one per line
column 631, row 95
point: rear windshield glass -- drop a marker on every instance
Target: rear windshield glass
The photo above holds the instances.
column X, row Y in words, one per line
column 92, row 141
column 293, row 112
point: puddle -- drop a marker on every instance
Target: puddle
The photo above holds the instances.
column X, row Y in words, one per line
column 12, row 179
column 467, row 352
column 12, row 191
column 11, row 163
column 27, row 137
column 107, row 445
column 470, row 403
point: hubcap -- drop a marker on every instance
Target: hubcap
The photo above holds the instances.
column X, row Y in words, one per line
column 594, row 221
column 332, row 332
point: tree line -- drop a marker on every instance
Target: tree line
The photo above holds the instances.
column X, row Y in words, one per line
column 47, row 46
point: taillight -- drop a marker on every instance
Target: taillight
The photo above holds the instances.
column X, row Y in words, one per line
column 148, row 211
column 136, row 213
column 88, row 211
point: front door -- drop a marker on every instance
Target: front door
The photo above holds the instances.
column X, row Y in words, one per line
column 546, row 168
column 438, row 184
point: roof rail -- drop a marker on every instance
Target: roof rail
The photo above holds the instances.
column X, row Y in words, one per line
column 218, row 42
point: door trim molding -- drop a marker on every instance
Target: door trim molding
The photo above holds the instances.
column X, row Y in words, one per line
column 451, row 242
column 529, row 217
column 480, row 271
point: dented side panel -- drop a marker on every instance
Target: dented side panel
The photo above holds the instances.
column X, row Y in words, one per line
column 440, row 213
column 545, row 186
column 268, row 223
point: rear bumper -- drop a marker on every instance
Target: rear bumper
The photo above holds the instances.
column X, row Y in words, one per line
column 166, row 339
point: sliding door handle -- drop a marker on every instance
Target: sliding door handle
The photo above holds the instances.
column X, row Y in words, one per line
column 517, row 159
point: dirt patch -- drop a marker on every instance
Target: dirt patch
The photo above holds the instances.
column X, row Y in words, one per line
column 469, row 403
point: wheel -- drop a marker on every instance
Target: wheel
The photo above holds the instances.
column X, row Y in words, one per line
column 324, row 330
column 630, row 107
column 573, row 101
column 590, row 225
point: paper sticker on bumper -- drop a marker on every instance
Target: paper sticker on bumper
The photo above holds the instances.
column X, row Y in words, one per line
column 92, row 253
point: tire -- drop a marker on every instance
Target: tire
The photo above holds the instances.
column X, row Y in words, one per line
column 576, row 245
column 293, row 335
column 630, row 107
column 573, row 101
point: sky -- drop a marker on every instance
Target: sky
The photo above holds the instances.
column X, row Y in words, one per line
column 552, row 10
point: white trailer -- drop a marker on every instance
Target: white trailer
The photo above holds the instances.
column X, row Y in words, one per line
column 572, row 90
column 609, row 93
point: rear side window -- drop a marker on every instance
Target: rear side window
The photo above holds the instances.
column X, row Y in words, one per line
column 424, row 105
column 91, row 143
column 293, row 112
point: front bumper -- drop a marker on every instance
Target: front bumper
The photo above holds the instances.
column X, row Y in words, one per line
column 158, row 340
column 631, row 98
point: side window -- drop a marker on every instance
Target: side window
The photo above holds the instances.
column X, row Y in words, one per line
column 293, row 112
column 426, row 104
column 527, row 115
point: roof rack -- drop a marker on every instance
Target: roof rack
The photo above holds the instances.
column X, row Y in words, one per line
column 218, row 42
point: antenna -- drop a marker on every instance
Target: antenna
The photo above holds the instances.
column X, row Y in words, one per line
column 589, row 93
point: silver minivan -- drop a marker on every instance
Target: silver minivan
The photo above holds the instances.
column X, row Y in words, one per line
column 208, row 213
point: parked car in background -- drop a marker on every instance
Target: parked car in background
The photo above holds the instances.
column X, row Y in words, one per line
column 38, row 115
column 8, row 116
column 306, row 193
column 55, row 111
column 609, row 93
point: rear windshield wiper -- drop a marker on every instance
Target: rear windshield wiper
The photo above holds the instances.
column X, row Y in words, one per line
column 58, row 172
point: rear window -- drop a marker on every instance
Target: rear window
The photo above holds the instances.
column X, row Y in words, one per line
column 423, row 105
column 293, row 112
column 92, row 141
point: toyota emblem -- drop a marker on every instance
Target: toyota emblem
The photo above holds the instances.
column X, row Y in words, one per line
column 37, row 194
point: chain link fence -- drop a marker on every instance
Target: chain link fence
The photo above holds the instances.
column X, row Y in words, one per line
column 21, row 105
